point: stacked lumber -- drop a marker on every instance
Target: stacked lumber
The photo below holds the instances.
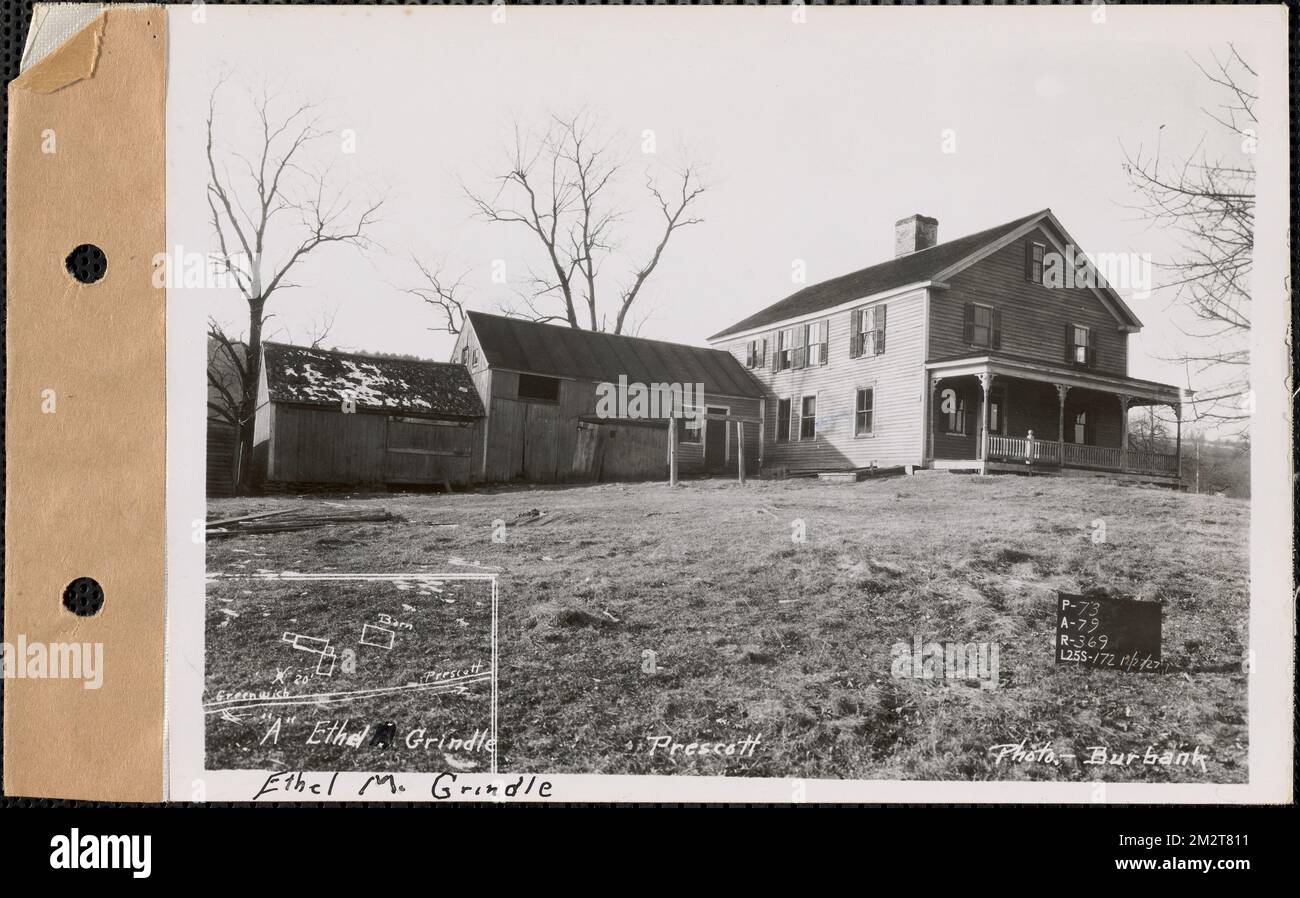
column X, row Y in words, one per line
column 292, row 519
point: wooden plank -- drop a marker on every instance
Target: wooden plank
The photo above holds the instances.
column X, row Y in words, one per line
column 740, row 419
column 442, row 453
column 430, row 422
column 248, row 517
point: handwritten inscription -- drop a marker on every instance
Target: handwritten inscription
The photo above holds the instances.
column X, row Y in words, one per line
column 297, row 785
column 1110, row 634
column 1025, row 752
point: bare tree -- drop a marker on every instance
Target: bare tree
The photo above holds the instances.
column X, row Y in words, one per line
column 443, row 294
column 226, row 373
column 272, row 181
column 1208, row 202
column 559, row 186
column 1148, row 432
column 319, row 329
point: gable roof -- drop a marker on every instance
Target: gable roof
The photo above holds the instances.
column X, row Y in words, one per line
column 398, row 386
column 562, row 351
column 918, row 267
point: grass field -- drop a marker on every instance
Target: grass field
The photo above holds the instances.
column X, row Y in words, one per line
column 756, row 635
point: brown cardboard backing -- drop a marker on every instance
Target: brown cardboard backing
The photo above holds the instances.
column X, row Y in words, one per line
column 85, row 483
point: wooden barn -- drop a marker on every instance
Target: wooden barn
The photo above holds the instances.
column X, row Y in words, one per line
column 342, row 418
column 538, row 383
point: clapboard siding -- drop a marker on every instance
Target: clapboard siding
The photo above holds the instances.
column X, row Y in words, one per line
column 896, row 376
column 1034, row 317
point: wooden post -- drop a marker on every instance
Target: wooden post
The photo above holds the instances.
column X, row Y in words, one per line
column 672, row 451
column 740, row 449
column 1178, row 442
column 929, row 453
column 1061, row 392
column 1123, row 431
column 986, row 384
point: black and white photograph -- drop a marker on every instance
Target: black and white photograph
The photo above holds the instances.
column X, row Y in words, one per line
column 804, row 400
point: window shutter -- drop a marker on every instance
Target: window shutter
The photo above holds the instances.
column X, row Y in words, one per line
column 880, row 330
column 1069, row 342
column 970, row 322
column 762, row 356
column 826, row 341
column 1029, row 261
column 1092, row 349
column 996, row 340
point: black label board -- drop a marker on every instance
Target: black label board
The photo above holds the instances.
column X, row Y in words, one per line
column 1108, row 634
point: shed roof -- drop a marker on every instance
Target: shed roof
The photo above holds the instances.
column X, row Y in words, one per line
column 561, row 351
column 399, row 386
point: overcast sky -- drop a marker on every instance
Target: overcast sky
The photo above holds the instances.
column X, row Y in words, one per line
column 816, row 136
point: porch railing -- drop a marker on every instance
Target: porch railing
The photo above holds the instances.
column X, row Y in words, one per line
column 1076, row 455
column 1079, row 455
column 1022, row 449
column 1152, row 462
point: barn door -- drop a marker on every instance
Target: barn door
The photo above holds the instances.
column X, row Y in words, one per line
column 589, row 451
column 715, row 441
column 541, row 442
column 524, row 440
column 420, row 451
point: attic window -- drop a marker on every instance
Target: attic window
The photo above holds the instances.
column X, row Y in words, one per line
column 543, row 389
column 1034, row 253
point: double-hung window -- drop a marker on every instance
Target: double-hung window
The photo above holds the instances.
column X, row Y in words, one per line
column 1079, row 348
column 784, row 359
column 783, row 420
column 815, row 342
column 867, row 331
column 864, row 412
column 956, row 415
column 1034, row 253
column 808, row 418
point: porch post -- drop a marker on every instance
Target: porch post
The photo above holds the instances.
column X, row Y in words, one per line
column 1178, row 441
column 740, row 450
column 930, row 424
column 1061, row 392
column 986, row 383
column 1123, row 430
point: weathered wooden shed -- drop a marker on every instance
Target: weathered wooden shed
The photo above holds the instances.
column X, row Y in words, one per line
column 344, row 418
column 539, row 383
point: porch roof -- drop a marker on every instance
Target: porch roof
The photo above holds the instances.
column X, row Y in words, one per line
column 1144, row 391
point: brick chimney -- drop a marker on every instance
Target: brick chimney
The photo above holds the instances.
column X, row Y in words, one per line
column 916, row 232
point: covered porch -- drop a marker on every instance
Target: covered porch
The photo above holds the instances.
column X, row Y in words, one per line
column 987, row 414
